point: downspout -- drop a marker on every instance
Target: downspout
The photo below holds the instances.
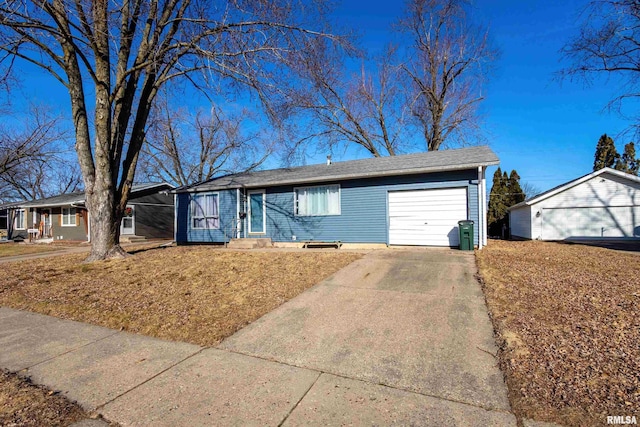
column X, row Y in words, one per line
column 485, row 224
column 480, row 209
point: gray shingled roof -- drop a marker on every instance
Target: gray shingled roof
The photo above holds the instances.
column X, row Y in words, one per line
column 434, row 161
column 77, row 198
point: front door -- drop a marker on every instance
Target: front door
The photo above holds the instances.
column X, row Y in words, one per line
column 128, row 221
column 257, row 217
column 46, row 223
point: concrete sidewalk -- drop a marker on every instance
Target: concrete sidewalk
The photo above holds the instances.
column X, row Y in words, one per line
column 398, row 337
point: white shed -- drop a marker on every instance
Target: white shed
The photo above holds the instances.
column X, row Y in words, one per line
column 601, row 205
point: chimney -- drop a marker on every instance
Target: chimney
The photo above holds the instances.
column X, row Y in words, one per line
column 328, row 159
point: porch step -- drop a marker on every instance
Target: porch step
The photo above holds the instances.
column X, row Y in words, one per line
column 250, row 243
column 132, row 239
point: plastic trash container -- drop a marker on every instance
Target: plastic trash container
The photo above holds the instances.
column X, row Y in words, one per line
column 465, row 228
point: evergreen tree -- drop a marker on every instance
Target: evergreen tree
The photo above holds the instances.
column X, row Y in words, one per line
column 606, row 153
column 628, row 162
column 516, row 195
column 497, row 211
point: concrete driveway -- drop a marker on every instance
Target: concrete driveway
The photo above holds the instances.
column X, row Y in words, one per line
column 411, row 320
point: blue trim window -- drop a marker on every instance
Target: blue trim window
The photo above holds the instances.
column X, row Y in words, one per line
column 205, row 211
column 317, row 201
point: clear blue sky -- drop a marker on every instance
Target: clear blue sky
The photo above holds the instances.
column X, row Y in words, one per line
column 544, row 129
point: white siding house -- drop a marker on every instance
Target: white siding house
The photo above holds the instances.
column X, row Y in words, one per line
column 602, row 205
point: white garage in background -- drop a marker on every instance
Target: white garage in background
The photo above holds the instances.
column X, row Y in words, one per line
column 427, row 217
column 602, row 205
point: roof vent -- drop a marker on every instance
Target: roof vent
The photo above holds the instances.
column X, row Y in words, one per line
column 328, row 159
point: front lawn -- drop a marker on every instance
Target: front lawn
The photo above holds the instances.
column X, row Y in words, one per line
column 567, row 320
column 14, row 249
column 195, row 294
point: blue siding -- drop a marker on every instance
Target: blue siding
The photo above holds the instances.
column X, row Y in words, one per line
column 185, row 233
column 363, row 218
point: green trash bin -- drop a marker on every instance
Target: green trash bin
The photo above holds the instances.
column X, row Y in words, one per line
column 465, row 228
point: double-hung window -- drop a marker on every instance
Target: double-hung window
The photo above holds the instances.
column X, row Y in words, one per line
column 68, row 217
column 205, row 211
column 21, row 219
column 318, row 200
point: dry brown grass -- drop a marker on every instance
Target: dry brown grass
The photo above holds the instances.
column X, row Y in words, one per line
column 568, row 324
column 14, row 249
column 25, row 404
column 194, row 294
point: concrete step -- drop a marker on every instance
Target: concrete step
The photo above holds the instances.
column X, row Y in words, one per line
column 250, row 243
column 132, row 239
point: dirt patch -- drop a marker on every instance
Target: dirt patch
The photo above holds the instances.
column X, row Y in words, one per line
column 25, row 404
column 566, row 318
column 194, row 294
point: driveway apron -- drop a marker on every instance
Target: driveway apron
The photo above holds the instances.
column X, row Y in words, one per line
column 413, row 320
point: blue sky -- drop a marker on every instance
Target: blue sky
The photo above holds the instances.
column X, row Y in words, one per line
column 545, row 129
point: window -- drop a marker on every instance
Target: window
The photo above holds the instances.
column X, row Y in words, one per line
column 315, row 201
column 21, row 219
column 204, row 211
column 68, row 217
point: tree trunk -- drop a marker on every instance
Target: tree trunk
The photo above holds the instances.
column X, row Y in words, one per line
column 105, row 226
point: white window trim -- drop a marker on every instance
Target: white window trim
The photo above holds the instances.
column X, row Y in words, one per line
column 191, row 217
column 24, row 219
column 75, row 222
column 295, row 199
column 264, row 210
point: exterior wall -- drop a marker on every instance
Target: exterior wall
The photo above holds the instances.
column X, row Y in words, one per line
column 520, row 222
column 186, row 233
column 363, row 218
column 153, row 215
column 74, row 232
column 603, row 191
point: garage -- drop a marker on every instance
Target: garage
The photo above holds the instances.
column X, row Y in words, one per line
column 426, row 217
column 602, row 205
column 598, row 222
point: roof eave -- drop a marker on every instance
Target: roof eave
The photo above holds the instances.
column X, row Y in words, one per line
column 414, row 171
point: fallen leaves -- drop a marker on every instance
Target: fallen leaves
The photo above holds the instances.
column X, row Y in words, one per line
column 567, row 320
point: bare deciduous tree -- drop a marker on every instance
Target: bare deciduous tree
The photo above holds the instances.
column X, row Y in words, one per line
column 446, row 66
column 358, row 108
column 183, row 148
column 34, row 161
column 113, row 57
column 608, row 44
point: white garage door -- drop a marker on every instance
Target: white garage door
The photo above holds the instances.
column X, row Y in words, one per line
column 566, row 223
column 426, row 217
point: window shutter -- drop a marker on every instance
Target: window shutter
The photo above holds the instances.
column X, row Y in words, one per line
column 77, row 217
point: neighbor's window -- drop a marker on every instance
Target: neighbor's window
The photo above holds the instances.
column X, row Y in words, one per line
column 204, row 211
column 320, row 200
column 21, row 219
column 68, row 217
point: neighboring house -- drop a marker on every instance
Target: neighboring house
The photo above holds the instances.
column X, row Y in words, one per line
column 6, row 225
column 65, row 217
column 414, row 199
column 601, row 205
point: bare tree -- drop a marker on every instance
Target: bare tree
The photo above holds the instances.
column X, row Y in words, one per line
column 446, row 66
column 183, row 148
column 608, row 45
column 352, row 108
column 34, row 160
column 124, row 52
